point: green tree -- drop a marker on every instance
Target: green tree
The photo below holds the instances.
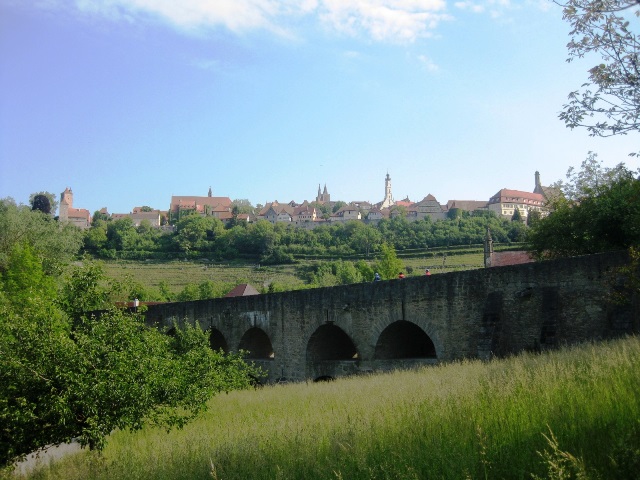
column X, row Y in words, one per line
column 588, row 180
column 41, row 203
column 609, row 103
column 99, row 216
column 64, row 377
column 65, row 373
column 387, row 263
column 190, row 292
column 365, row 238
column 337, row 206
column 366, row 271
column 23, row 279
column 95, row 238
column 517, row 216
column 54, row 244
column 44, row 201
column 605, row 216
column 122, row 234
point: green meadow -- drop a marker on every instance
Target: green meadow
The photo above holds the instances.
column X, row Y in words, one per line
column 571, row 413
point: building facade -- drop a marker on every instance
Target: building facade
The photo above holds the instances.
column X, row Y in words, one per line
column 80, row 217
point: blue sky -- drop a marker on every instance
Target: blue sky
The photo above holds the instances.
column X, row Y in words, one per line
column 129, row 102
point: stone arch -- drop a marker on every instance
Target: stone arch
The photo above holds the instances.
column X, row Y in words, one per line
column 217, row 341
column 404, row 340
column 257, row 343
column 330, row 343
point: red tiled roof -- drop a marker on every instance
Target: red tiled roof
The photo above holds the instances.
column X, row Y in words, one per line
column 242, row 290
column 502, row 259
column 506, row 195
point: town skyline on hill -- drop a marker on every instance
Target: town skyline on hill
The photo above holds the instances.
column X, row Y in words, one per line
column 130, row 102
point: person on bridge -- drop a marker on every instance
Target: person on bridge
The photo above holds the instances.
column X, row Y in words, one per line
column 401, row 275
column 427, row 272
column 376, row 277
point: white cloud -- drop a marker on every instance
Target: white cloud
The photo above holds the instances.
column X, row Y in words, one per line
column 471, row 6
column 428, row 64
column 381, row 20
column 236, row 15
column 394, row 20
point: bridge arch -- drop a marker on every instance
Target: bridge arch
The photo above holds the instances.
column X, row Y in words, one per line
column 330, row 353
column 404, row 340
column 258, row 344
column 217, row 341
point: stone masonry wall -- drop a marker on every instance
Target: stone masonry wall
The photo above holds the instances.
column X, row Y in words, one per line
column 470, row 314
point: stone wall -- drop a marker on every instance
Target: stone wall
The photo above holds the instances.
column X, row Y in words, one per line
column 334, row 331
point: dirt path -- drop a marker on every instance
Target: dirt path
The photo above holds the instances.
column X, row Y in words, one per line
column 45, row 456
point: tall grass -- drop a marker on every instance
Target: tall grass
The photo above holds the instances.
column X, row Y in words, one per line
column 557, row 415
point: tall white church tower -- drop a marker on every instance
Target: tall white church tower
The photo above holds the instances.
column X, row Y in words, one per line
column 388, row 197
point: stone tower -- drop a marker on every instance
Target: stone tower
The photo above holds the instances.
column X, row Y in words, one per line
column 210, row 194
column 66, row 202
column 388, row 197
column 538, row 185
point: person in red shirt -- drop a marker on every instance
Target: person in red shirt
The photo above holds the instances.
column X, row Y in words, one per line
column 427, row 272
column 401, row 275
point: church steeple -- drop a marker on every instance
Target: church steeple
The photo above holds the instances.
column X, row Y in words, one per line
column 323, row 197
column 538, row 186
column 388, row 197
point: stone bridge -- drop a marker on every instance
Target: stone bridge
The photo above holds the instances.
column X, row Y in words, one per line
column 336, row 331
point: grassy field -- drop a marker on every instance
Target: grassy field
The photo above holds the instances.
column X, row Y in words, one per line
column 177, row 274
column 573, row 413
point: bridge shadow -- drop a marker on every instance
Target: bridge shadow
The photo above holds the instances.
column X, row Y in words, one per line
column 404, row 340
column 331, row 353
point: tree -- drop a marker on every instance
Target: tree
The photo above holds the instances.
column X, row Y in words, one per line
column 37, row 201
column 365, row 238
column 54, row 244
column 146, row 208
column 82, row 376
column 122, row 234
column 41, row 203
column 338, row 205
column 609, row 103
column 387, row 264
column 517, row 216
column 95, row 238
column 594, row 216
column 588, row 181
column 243, row 205
column 99, row 216
column 66, row 373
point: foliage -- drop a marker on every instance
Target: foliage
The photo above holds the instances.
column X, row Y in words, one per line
column 590, row 180
column 41, row 203
column 609, row 103
column 517, row 216
column 601, row 212
column 387, row 263
column 67, row 374
column 199, row 236
column 339, row 272
column 44, row 201
column 54, row 244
